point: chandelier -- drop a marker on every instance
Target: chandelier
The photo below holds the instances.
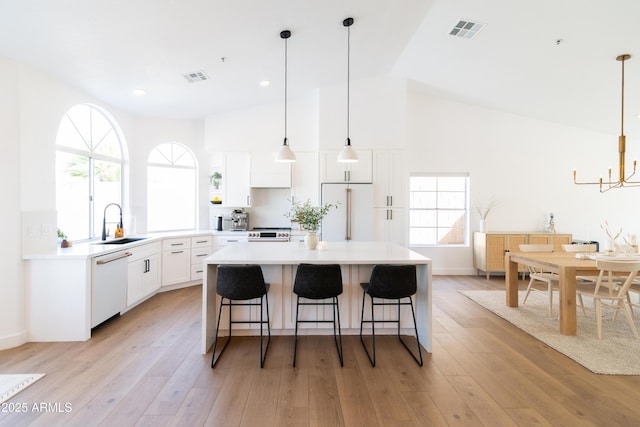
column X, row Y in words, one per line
column 622, row 181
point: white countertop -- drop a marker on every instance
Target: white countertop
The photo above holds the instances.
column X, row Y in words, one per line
column 296, row 253
column 95, row 248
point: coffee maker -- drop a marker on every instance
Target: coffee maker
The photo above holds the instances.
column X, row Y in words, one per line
column 239, row 220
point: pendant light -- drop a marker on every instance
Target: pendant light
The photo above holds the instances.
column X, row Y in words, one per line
column 285, row 154
column 622, row 180
column 348, row 155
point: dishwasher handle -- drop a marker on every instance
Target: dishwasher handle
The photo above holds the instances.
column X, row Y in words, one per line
column 107, row 261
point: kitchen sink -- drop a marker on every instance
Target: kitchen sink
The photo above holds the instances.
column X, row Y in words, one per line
column 120, row 241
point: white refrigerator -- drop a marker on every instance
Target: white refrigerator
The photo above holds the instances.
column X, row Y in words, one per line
column 353, row 219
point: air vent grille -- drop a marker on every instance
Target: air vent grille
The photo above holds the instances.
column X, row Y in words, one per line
column 196, row 76
column 466, row 29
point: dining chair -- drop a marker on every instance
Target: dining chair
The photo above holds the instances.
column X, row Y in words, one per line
column 608, row 292
column 579, row 248
column 538, row 275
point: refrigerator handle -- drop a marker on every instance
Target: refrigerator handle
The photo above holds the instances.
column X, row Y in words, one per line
column 348, row 211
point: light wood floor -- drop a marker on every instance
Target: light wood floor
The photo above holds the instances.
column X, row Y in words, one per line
column 145, row 368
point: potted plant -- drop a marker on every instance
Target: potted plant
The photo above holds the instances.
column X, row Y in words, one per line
column 215, row 180
column 309, row 218
column 62, row 238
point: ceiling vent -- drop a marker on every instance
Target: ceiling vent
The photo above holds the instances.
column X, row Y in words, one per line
column 196, row 76
column 466, row 29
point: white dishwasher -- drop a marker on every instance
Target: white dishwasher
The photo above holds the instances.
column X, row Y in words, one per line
column 109, row 283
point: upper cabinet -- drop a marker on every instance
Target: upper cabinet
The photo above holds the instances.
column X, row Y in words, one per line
column 304, row 171
column 237, row 180
column 389, row 179
column 333, row 171
column 267, row 173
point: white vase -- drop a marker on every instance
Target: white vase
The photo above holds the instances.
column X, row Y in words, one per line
column 311, row 240
column 482, row 225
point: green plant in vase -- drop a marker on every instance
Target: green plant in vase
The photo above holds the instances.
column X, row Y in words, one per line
column 308, row 216
column 215, row 180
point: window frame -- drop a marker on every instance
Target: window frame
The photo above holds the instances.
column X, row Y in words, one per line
column 92, row 156
column 172, row 164
column 466, row 230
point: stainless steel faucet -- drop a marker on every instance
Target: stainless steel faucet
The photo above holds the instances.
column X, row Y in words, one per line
column 104, row 220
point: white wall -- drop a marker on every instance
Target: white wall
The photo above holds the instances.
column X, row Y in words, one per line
column 261, row 128
column 12, row 319
column 525, row 164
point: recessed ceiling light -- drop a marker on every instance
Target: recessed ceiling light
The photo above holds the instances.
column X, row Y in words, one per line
column 139, row 91
column 265, row 83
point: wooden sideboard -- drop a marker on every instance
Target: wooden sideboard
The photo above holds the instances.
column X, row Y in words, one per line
column 489, row 248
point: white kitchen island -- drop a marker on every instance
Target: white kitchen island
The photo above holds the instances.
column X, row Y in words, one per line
column 279, row 262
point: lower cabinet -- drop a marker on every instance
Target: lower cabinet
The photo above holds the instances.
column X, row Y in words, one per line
column 176, row 261
column 182, row 259
column 389, row 225
column 201, row 247
column 144, row 272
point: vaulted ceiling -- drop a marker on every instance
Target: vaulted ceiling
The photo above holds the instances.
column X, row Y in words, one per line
column 549, row 59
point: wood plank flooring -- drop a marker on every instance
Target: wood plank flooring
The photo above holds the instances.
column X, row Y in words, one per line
column 144, row 369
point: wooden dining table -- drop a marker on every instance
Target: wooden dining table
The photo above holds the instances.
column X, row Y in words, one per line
column 566, row 265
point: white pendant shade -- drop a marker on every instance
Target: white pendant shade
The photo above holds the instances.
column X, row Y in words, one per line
column 348, row 155
column 285, row 154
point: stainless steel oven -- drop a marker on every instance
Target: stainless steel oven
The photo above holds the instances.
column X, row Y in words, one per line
column 267, row 234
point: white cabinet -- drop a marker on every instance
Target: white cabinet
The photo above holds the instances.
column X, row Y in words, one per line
column 201, row 247
column 237, row 180
column 389, row 179
column 333, row 171
column 267, row 173
column 220, row 242
column 389, row 225
column 144, row 272
column 389, row 196
column 176, row 261
column 305, row 185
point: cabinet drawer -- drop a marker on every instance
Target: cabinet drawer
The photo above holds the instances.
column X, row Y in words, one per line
column 201, row 241
column 197, row 271
column 180, row 243
column 199, row 254
column 144, row 251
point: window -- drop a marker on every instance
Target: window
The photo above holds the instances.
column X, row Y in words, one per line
column 89, row 166
column 438, row 209
column 171, row 188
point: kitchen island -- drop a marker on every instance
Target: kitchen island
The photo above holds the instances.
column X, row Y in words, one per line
column 279, row 262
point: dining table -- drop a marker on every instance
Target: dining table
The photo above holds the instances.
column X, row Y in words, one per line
column 567, row 265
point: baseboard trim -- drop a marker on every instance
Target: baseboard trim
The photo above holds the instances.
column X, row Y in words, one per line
column 12, row 341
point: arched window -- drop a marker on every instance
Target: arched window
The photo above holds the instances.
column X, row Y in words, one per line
column 171, row 188
column 89, row 171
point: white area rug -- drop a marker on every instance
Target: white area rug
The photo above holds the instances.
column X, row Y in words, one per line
column 12, row 384
column 617, row 353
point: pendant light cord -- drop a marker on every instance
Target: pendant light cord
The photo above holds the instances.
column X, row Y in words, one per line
column 348, row 75
column 285, row 91
column 622, row 102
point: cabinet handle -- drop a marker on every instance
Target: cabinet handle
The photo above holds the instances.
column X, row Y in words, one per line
column 201, row 241
column 199, row 271
column 390, row 200
column 107, row 261
column 232, row 241
column 177, row 252
column 345, row 175
column 177, row 244
column 248, row 204
column 198, row 255
column 391, row 214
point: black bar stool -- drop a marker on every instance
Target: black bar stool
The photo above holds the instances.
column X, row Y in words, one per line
column 390, row 282
column 241, row 283
column 319, row 282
